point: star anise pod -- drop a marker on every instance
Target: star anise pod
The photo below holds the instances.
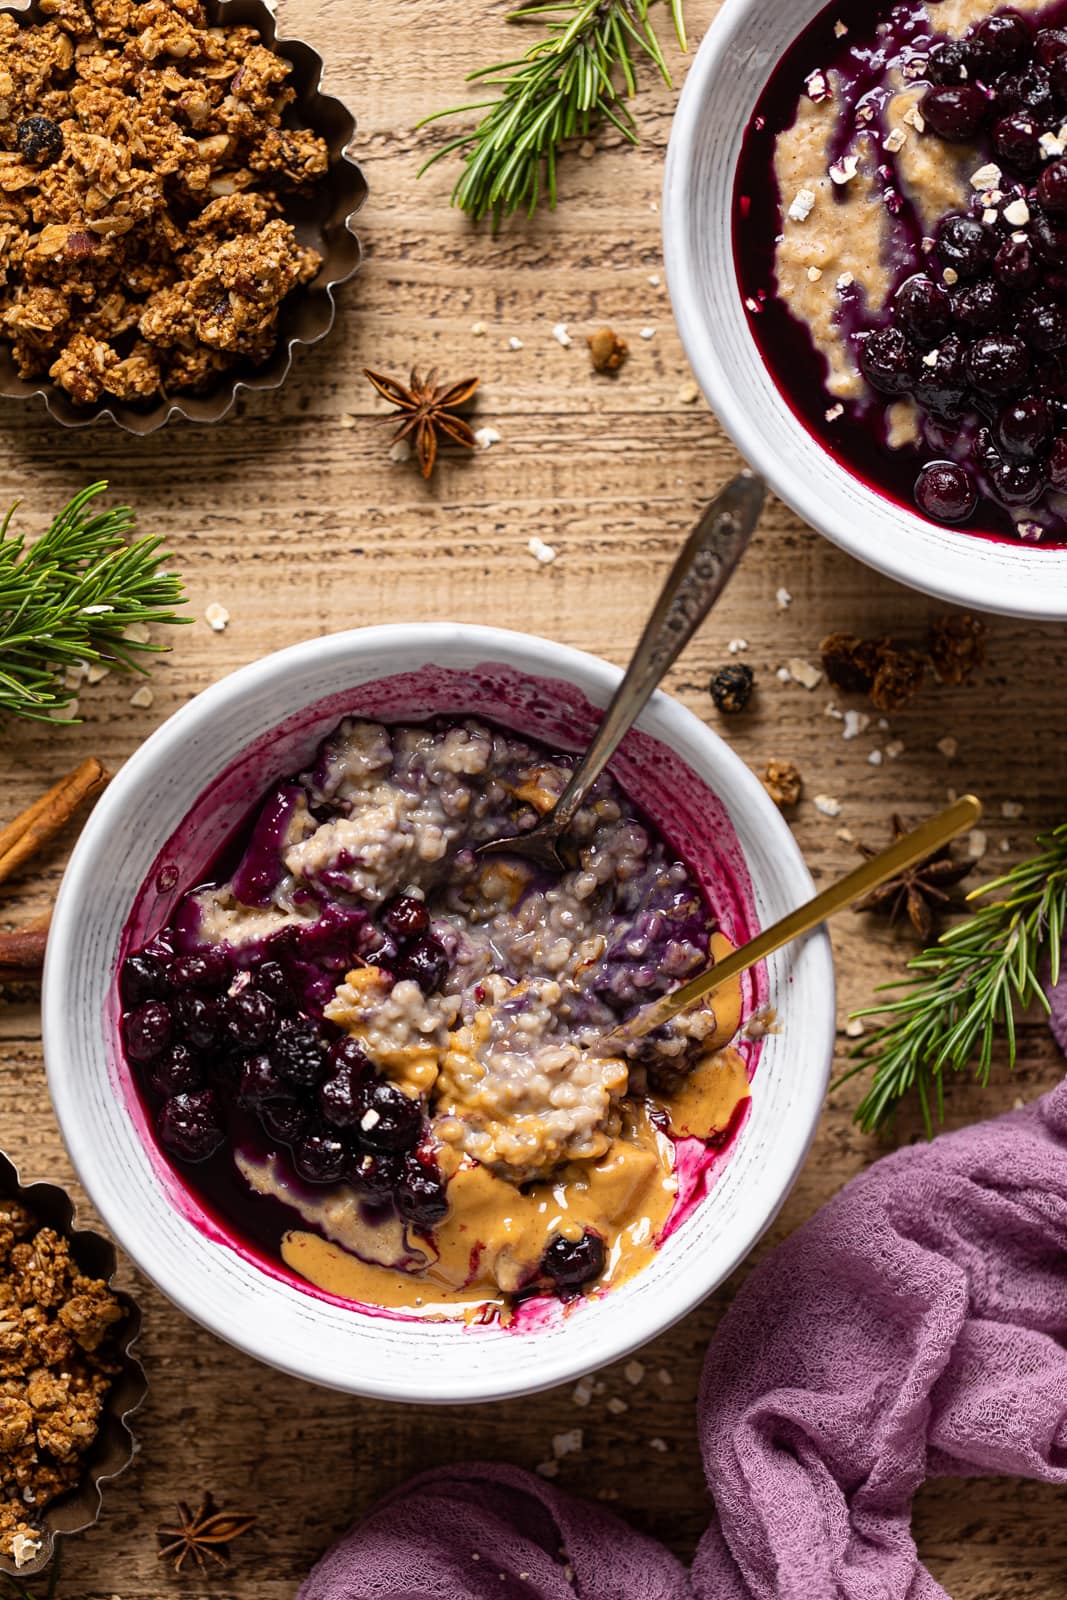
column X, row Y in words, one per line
column 428, row 410
column 208, row 1532
column 919, row 890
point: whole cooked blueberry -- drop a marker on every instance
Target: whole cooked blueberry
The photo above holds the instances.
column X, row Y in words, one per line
column 1014, row 264
column 887, row 361
column 299, row 1054
column 955, row 112
column 1023, row 427
column 964, row 244
column 377, row 947
column 421, row 1198
column 251, row 1018
column 339, row 1096
column 999, row 41
column 570, row 1263
column 945, row 491
column 1018, row 483
column 949, row 62
column 147, row 1031
column 1058, row 76
column 177, row 1072
column 979, row 306
column 285, row 1119
column 997, row 363
column 923, row 309
column 941, row 385
column 1052, row 187
column 320, row 1157
column 1017, row 141
column 273, row 979
column 40, row 140
column 1050, row 45
column 1056, row 466
column 190, row 1125
column 198, row 1019
column 426, row 963
column 207, row 969
column 389, row 1119
column 406, row 917
column 143, row 977
column 1043, row 324
column 260, row 1083
column 1048, row 237
column 731, row 687
column 375, row 1176
column 348, row 1052
column 1028, row 89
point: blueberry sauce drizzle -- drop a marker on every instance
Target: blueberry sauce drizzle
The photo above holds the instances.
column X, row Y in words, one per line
column 985, row 355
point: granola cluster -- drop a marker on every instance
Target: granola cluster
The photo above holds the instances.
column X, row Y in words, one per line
column 57, row 1362
column 144, row 161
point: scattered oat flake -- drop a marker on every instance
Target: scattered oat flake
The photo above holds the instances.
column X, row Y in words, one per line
column 634, row 1372
column 816, row 86
column 854, row 1028
column 25, row 1549
column 845, row 281
column 142, row 697
column 894, row 140
column 587, row 149
column 485, row 438
column 1011, row 810
column 1050, row 145
column 567, row 1444
column 845, row 170
column 915, row 119
column 659, row 1445
column 514, row 343
column 827, row 805
column 976, row 843
column 689, row 393
column 1018, row 213
column 347, row 420
column 833, row 412
column 950, row 276
column 834, row 711
column 894, row 748
column 1029, row 530
column 665, row 1377
column 648, row 333
column 784, row 675
column 752, row 305
column 948, row 747
column 547, row 1469
column 986, row 177
column 479, row 329
column 735, row 646
column 839, row 29
column 583, row 1392
column 856, row 722
column 138, row 632
column 542, row 552
column 814, row 274
column 874, row 758
column 783, row 599
column 654, row 279
column 561, row 336
column 801, row 204
column 845, row 835
column 989, row 216
column 216, row 616
column 804, row 673
column 400, row 450
column 1005, row 846
column 617, row 1406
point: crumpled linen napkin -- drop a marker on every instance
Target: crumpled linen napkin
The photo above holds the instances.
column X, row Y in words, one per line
column 915, row 1327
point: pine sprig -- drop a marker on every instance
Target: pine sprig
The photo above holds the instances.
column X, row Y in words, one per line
column 963, row 988
column 567, row 83
column 69, row 598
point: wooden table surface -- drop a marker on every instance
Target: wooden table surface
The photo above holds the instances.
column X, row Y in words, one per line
column 293, row 516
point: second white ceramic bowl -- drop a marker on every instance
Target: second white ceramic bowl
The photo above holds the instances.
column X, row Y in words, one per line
column 179, row 797
column 738, row 55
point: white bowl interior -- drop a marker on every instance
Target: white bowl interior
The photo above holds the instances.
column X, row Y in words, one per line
column 149, row 818
column 734, row 62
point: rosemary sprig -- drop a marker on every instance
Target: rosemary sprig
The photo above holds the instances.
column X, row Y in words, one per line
column 70, row 597
column 561, row 88
column 961, row 989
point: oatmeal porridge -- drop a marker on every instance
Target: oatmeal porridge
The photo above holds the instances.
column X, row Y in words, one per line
column 905, row 272
column 378, row 1054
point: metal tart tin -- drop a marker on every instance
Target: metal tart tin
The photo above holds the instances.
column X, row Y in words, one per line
column 114, row 1446
column 324, row 218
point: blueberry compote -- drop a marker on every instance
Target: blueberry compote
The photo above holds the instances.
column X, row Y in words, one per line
column 373, row 1052
column 905, row 269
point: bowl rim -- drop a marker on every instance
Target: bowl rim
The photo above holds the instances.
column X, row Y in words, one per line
column 618, row 1337
column 952, row 577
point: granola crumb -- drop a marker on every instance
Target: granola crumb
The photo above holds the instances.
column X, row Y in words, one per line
column 874, row 758
column 634, row 1372
column 949, row 747
column 142, row 698
column 894, row 749
column 957, row 646
column 606, row 350
column 977, row 844
column 568, row 1443
column 845, row 835
column 665, row 1377
column 485, row 438
column 827, row 805
column 541, row 552
column 216, row 616
column 689, row 392
column 587, row 149
column 782, row 781
column 583, row 1392
column 515, row 343
column 855, row 723
column 561, row 336
column 479, row 329
column 854, row 1027
column 400, row 450
column 659, row 1445
column 1011, row 810
column 735, row 646
column 783, row 599
column 804, row 673
column 617, row 1406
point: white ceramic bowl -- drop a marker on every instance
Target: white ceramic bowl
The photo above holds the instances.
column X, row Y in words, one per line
column 231, row 742
column 738, row 55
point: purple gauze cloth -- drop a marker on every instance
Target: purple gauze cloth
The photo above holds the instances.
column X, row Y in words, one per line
column 915, row 1327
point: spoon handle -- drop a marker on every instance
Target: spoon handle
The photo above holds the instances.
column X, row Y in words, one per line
column 700, row 574
column 913, row 847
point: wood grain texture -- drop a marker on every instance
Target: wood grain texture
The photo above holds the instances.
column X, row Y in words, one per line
column 292, row 515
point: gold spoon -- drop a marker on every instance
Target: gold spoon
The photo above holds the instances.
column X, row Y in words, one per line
column 913, row 847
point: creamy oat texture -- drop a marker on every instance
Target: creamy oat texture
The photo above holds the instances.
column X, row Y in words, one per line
column 845, row 243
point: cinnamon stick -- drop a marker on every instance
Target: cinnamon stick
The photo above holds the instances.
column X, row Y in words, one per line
column 39, row 823
column 22, row 953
